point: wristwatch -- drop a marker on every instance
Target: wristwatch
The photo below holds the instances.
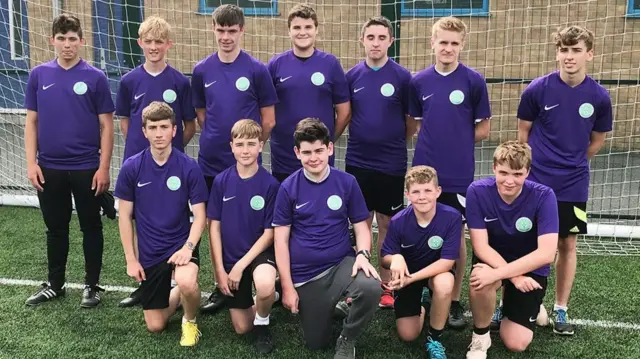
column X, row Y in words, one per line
column 189, row 245
column 365, row 253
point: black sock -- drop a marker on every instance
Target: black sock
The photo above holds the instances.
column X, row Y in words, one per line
column 435, row 333
column 454, row 303
column 480, row 331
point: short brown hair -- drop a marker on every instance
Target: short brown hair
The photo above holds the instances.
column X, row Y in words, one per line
column 64, row 23
column 421, row 175
column 571, row 35
column 377, row 20
column 248, row 129
column 228, row 15
column 158, row 111
column 449, row 23
column 302, row 11
column 311, row 130
column 515, row 154
column 156, row 27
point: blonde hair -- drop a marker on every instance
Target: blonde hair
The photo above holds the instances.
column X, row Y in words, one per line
column 515, row 154
column 247, row 129
column 155, row 27
column 571, row 35
column 449, row 23
column 420, row 175
column 158, row 111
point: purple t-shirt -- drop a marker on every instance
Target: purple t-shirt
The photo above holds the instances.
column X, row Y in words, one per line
column 244, row 208
column 319, row 215
column 379, row 105
column 138, row 89
column 563, row 120
column 306, row 88
column 229, row 93
column 422, row 246
column 68, row 103
column 513, row 228
column 161, row 197
column 449, row 107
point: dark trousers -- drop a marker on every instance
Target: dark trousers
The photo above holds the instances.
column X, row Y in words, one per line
column 56, row 207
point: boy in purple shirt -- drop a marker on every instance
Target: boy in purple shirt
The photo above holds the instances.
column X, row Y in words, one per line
column 158, row 185
column 377, row 147
column 68, row 142
column 420, row 250
column 513, row 225
column 316, row 261
column 565, row 117
column 240, row 208
column 228, row 86
column 155, row 80
column 451, row 102
column 316, row 74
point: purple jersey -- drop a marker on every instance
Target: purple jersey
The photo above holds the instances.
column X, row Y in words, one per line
column 422, row 246
column 377, row 131
column 563, row 119
column 513, row 228
column 319, row 215
column 161, row 197
column 449, row 107
column 306, row 88
column 229, row 93
column 244, row 207
column 138, row 89
column 68, row 103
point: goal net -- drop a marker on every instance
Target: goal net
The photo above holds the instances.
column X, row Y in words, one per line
column 509, row 42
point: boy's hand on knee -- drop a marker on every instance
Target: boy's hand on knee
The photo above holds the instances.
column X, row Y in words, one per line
column 235, row 276
column 363, row 264
column 482, row 276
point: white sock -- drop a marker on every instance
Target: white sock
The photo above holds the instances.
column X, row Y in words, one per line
column 500, row 303
column 184, row 320
column 260, row 320
column 557, row 307
column 277, row 297
column 173, row 283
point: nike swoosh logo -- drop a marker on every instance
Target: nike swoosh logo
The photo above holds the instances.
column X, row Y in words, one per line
column 143, row 184
column 424, row 98
column 356, row 90
column 270, row 261
column 224, row 199
column 298, row 206
column 490, row 219
column 547, row 108
column 398, row 206
column 138, row 96
column 46, row 87
column 285, row 78
column 210, row 83
column 533, row 319
column 403, row 246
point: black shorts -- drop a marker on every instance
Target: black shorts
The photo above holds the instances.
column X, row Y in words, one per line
column 408, row 300
column 382, row 192
column 523, row 308
column 280, row 176
column 155, row 290
column 243, row 297
column 455, row 200
column 572, row 218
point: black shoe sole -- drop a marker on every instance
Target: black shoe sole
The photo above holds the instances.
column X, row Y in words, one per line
column 89, row 306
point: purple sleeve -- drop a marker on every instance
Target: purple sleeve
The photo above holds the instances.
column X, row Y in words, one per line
column 103, row 100
column 547, row 214
column 604, row 115
column 267, row 95
column 186, row 102
column 415, row 105
column 451, row 246
column 481, row 105
column 125, row 184
column 283, row 209
column 214, row 206
column 197, row 87
column 272, row 192
column 473, row 213
column 198, row 192
column 123, row 100
column 393, row 240
column 340, row 91
column 31, row 94
column 528, row 109
column 356, row 207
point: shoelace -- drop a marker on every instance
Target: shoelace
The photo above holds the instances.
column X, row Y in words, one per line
column 476, row 344
column 497, row 316
column 562, row 316
column 191, row 329
column 435, row 349
column 344, row 347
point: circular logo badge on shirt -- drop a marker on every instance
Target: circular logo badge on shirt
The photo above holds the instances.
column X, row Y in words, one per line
column 169, row 96
column 173, row 183
column 435, row 242
column 242, row 84
column 257, row 202
column 80, row 88
column 317, row 78
column 586, row 110
column 456, row 97
column 334, row 202
column 387, row 90
column 524, row 224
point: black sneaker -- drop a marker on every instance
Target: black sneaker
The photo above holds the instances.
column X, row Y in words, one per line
column 345, row 349
column 91, row 296
column 456, row 316
column 216, row 301
column 45, row 294
column 262, row 339
column 132, row 300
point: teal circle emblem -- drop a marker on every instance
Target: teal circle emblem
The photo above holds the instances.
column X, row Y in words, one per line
column 257, row 202
column 456, row 97
column 334, row 202
column 317, row 78
column 80, row 88
column 387, row 90
column 174, row 183
column 169, row 96
column 242, row 84
column 435, row 242
column 524, row 224
column 586, row 110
